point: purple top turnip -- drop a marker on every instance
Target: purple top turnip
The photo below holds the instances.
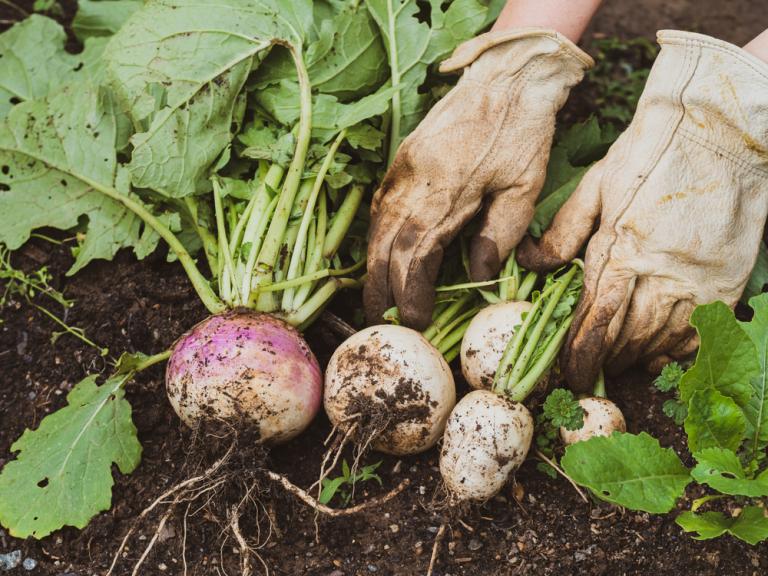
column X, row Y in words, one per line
column 247, row 366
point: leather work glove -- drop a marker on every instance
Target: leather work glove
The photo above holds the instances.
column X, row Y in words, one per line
column 486, row 143
column 681, row 199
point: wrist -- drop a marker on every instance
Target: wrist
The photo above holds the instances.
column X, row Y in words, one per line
column 759, row 46
column 568, row 17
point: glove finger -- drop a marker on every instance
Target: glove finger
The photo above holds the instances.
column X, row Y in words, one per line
column 648, row 316
column 505, row 220
column 676, row 333
column 596, row 326
column 415, row 262
column 682, row 351
column 570, row 228
column 386, row 222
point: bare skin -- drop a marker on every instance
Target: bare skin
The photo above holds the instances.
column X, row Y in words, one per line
column 569, row 17
column 759, row 46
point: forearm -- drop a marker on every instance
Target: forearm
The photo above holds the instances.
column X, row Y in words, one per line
column 758, row 46
column 569, row 17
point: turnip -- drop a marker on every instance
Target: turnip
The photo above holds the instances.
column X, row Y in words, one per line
column 489, row 432
column 487, row 437
column 600, row 417
column 392, row 384
column 486, row 339
column 247, row 366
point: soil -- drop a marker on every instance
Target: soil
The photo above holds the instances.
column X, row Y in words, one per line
column 536, row 526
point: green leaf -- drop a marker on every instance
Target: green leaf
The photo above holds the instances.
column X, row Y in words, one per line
column 330, row 488
column 97, row 18
column 726, row 361
column 347, row 59
column 547, row 208
column 721, row 470
column 62, row 475
column 670, row 377
column 562, row 409
column 756, row 409
column 33, row 61
column 585, row 142
column 414, row 45
column 714, row 420
column 628, row 470
column 179, row 68
column 751, row 525
column 759, row 277
column 676, row 410
column 57, row 156
column 365, row 136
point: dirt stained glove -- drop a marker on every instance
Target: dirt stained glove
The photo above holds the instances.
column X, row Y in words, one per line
column 681, row 200
column 485, row 144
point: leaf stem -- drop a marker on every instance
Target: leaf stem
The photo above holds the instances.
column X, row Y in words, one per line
column 201, row 285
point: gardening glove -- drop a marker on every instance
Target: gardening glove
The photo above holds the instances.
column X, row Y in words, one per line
column 486, row 143
column 681, row 200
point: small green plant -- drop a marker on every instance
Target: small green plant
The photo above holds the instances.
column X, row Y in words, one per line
column 38, row 283
column 343, row 486
column 669, row 381
column 561, row 408
column 722, row 402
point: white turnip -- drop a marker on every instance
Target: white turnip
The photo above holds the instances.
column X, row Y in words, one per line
column 245, row 367
column 486, row 439
column 393, row 385
column 601, row 418
column 486, row 339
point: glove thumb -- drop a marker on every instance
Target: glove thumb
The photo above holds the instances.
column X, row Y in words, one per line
column 569, row 230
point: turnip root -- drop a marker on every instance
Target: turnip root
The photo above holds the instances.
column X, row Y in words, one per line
column 393, row 384
column 487, row 438
column 601, row 418
column 486, row 339
column 246, row 367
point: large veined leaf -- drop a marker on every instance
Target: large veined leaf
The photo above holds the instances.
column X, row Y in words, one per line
column 714, row 421
column 178, row 67
column 413, row 45
column 721, row 470
column 33, row 61
column 756, row 409
column 345, row 57
column 57, row 158
column 726, row 359
column 102, row 17
column 629, row 470
column 751, row 525
column 63, row 472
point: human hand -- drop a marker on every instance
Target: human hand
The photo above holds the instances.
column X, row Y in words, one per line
column 681, row 200
column 485, row 145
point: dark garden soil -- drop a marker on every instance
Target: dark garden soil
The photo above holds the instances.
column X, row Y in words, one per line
column 537, row 526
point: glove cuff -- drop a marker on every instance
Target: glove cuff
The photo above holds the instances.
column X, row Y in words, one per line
column 718, row 90
column 466, row 53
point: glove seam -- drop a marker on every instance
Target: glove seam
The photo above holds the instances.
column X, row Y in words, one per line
column 714, row 44
column 715, row 148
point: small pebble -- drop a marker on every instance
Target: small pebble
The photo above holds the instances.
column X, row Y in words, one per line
column 432, row 529
column 372, row 568
column 162, row 567
column 394, row 528
column 29, row 564
column 10, row 560
column 475, row 544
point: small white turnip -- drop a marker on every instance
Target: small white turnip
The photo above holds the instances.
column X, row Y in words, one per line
column 246, row 368
column 486, row 339
column 487, row 437
column 394, row 384
column 601, row 418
